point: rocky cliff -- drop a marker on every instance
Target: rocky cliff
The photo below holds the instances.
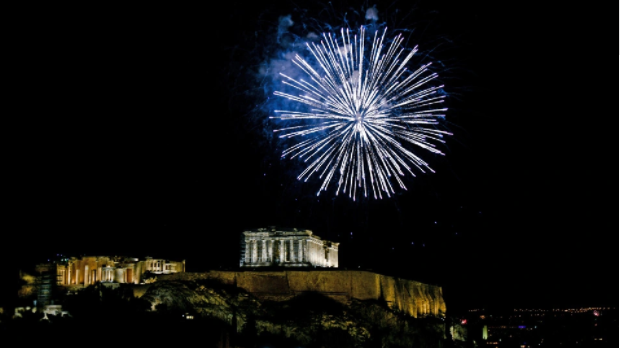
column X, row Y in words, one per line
column 405, row 296
column 289, row 309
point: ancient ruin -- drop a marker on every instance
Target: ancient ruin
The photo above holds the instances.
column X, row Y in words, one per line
column 111, row 269
column 271, row 247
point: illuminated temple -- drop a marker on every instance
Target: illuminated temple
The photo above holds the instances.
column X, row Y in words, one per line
column 112, row 269
column 269, row 247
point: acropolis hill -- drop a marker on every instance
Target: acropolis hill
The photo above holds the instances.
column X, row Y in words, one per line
column 283, row 264
column 406, row 296
column 274, row 265
column 287, row 288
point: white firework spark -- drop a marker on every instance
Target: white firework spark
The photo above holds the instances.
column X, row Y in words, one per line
column 363, row 111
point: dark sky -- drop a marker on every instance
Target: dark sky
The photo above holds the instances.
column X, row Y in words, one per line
column 140, row 132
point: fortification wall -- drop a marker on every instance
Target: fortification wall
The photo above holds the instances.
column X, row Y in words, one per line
column 408, row 296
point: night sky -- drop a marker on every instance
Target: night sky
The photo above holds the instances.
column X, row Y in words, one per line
column 143, row 132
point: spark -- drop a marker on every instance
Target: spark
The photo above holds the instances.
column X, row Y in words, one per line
column 364, row 111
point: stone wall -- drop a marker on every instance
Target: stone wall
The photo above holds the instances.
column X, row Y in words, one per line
column 408, row 296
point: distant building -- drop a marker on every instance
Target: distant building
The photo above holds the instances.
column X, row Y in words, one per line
column 45, row 284
column 107, row 269
column 269, row 247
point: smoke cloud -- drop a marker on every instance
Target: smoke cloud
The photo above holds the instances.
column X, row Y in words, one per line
column 284, row 22
column 372, row 13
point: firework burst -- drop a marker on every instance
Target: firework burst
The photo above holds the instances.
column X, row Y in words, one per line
column 362, row 115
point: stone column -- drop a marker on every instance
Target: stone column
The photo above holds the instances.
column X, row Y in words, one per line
column 315, row 252
column 328, row 254
column 264, row 253
column 254, row 251
column 248, row 247
column 335, row 258
column 300, row 251
column 282, row 251
column 291, row 249
column 248, row 250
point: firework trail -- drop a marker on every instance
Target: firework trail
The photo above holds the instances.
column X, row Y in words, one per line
column 363, row 112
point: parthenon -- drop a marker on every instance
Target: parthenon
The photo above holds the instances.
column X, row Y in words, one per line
column 269, row 247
